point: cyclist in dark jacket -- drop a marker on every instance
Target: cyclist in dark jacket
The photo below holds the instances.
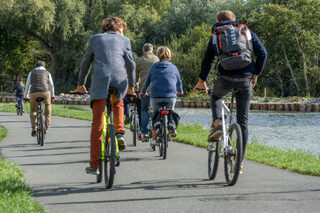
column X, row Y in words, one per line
column 243, row 79
column 19, row 88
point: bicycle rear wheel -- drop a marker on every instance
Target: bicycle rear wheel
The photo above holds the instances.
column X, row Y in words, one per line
column 134, row 133
column 233, row 154
column 99, row 176
column 41, row 129
column 110, row 157
column 213, row 159
column 20, row 108
column 164, row 137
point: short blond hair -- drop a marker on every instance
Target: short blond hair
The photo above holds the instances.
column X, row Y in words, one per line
column 225, row 15
column 164, row 53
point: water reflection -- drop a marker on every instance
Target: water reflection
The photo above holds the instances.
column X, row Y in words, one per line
column 285, row 130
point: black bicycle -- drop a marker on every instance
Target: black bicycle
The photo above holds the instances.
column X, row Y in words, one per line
column 40, row 123
column 19, row 106
column 163, row 133
column 134, row 118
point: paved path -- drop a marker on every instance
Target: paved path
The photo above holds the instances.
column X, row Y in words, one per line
column 144, row 182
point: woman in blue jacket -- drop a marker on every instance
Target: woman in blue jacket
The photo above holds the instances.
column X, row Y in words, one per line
column 165, row 81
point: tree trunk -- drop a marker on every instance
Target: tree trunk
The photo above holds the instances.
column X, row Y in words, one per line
column 304, row 64
column 290, row 68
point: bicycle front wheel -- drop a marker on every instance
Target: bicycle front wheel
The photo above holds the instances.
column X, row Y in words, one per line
column 99, row 176
column 213, row 159
column 233, row 154
column 110, row 157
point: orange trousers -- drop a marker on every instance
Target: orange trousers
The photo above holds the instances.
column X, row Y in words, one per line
column 98, row 107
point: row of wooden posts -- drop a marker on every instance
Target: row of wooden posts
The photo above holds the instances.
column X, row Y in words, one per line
column 297, row 107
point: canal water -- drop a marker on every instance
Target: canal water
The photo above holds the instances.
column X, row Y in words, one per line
column 284, row 130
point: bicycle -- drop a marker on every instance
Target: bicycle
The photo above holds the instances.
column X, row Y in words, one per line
column 163, row 133
column 40, row 123
column 134, row 119
column 109, row 157
column 19, row 106
column 229, row 146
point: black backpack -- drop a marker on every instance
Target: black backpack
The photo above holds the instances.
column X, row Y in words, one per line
column 233, row 46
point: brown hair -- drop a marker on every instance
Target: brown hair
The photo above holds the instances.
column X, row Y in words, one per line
column 164, row 53
column 225, row 15
column 147, row 47
column 113, row 23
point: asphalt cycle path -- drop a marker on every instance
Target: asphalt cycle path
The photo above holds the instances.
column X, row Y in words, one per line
column 144, row 182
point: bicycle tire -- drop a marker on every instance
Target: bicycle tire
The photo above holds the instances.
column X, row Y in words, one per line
column 20, row 108
column 99, row 176
column 213, row 159
column 164, row 137
column 232, row 159
column 134, row 133
column 38, row 127
column 41, row 121
column 110, row 157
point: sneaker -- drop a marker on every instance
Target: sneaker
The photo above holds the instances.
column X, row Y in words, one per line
column 173, row 133
column 153, row 142
column 33, row 133
column 127, row 120
column 241, row 168
column 47, row 126
column 117, row 161
column 215, row 134
column 92, row 171
column 121, row 142
column 145, row 137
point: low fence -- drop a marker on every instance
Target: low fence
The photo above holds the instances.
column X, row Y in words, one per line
column 294, row 107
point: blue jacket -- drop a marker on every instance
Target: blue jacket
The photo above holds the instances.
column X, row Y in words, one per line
column 165, row 80
column 19, row 90
column 254, row 68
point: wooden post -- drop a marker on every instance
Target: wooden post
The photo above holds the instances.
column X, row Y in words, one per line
column 265, row 92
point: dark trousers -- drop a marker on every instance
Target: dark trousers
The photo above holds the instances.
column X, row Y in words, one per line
column 223, row 87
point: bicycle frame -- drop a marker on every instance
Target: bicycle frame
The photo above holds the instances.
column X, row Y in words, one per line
column 106, row 123
column 226, row 120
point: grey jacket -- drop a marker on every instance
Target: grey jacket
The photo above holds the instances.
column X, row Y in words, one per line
column 113, row 65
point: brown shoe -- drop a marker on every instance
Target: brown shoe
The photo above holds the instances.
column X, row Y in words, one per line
column 33, row 133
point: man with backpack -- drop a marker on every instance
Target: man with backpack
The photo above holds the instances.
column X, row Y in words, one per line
column 233, row 44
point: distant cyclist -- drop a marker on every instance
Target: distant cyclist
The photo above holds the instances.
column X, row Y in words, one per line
column 143, row 66
column 114, row 67
column 165, row 81
column 19, row 88
column 40, row 84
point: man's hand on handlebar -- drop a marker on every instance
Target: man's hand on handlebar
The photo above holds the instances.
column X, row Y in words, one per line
column 201, row 85
column 180, row 93
column 130, row 91
column 81, row 89
column 144, row 94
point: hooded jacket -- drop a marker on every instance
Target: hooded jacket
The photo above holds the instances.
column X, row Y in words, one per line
column 165, row 80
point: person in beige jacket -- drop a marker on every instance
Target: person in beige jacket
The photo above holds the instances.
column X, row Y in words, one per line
column 143, row 65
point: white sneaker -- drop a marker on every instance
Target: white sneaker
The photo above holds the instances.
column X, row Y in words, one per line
column 153, row 142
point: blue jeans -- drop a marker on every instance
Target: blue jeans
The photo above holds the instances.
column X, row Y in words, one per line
column 243, row 96
column 145, row 105
column 155, row 107
column 16, row 100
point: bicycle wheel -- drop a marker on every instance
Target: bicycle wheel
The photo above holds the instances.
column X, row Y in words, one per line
column 213, row 159
column 41, row 128
column 134, row 133
column 110, row 157
column 233, row 155
column 38, row 127
column 164, row 137
column 99, row 176
column 20, row 108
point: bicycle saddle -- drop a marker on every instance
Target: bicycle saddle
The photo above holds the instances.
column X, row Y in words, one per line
column 39, row 99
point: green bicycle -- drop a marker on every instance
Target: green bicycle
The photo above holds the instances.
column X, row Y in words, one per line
column 109, row 157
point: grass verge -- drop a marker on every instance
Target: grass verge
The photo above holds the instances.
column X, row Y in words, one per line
column 15, row 195
column 297, row 161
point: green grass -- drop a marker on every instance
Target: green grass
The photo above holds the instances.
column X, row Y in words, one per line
column 297, row 161
column 15, row 195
